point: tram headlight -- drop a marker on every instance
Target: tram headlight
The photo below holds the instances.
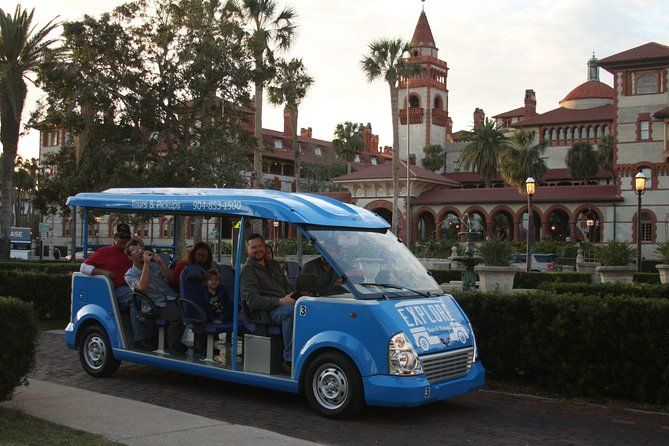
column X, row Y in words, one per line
column 402, row 358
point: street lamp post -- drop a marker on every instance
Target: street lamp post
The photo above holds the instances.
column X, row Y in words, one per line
column 639, row 186
column 530, row 188
column 590, row 222
column 275, row 224
column 407, row 212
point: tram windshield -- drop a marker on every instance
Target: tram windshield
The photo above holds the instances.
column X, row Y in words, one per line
column 377, row 263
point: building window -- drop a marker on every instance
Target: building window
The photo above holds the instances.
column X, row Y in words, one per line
column 561, row 135
column 606, row 129
column 646, row 84
column 317, row 151
column 649, row 176
column 591, row 133
column 569, row 133
column 278, row 144
column 577, row 133
column 646, row 227
column 546, row 135
column 357, row 158
column 414, row 101
column 373, row 160
column 644, row 130
column 554, row 135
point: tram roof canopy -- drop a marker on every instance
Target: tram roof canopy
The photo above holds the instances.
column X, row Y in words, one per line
column 289, row 207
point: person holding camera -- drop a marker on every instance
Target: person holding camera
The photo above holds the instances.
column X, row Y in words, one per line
column 151, row 276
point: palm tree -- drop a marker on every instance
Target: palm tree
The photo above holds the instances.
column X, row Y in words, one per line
column 385, row 60
column 434, row 157
column 348, row 141
column 581, row 160
column 485, row 142
column 522, row 159
column 290, row 87
column 22, row 48
column 270, row 31
column 605, row 155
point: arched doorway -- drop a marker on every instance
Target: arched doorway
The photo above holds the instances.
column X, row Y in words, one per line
column 385, row 214
column 450, row 226
column 523, row 224
column 502, row 225
column 588, row 225
column 557, row 222
column 425, row 227
column 476, row 221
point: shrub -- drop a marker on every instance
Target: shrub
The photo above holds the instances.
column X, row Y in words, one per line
column 436, row 249
column 562, row 249
column 609, row 289
column 285, row 247
column 49, row 293
column 18, row 338
column 575, row 345
column 496, row 252
column 653, row 278
column 662, row 251
column 442, row 276
column 533, row 280
column 42, row 267
column 615, row 253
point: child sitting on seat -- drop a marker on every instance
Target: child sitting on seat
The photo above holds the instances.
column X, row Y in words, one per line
column 220, row 306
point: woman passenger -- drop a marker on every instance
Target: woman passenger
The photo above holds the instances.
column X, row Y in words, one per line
column 199, row 254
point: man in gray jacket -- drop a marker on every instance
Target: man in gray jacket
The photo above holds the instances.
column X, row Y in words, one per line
column 267, row 289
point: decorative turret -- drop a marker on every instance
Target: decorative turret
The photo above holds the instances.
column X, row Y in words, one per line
column 593, row 69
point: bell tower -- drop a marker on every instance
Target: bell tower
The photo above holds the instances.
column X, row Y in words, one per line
column 423, row 99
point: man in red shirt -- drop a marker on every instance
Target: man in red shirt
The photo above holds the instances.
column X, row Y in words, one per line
column 111, row 261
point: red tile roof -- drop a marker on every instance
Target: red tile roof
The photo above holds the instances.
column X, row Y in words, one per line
column 590, row 90
column 422, row 36
column 520, row 111
column 384, row 171
column 567, row 116
column 648, row 52
column 511, row 195
column 664, row 113
column 343, row 196
column 551, row 175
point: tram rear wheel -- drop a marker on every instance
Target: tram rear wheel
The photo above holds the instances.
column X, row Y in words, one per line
column 95, row 352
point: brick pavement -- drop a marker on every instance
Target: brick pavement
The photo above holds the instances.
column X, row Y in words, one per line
column 482, row 417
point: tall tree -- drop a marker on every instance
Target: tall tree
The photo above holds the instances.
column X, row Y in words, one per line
column 522, row 159
column 269, row 31
column 22, row 49
column 385, row 60
column 348, row 141
column 581, row 160
column 605, row 155
column 434, row 157
column 484, row 144
column 289, row 88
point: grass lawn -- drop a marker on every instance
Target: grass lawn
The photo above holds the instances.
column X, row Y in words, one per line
column 52, row 324
column 19, row 429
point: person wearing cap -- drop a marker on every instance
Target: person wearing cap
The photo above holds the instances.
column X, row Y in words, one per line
column 111, row 261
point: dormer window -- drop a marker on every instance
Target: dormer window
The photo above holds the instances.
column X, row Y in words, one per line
column 317, row 151
column 373, row 161
column 357, row 158
column 278, row 144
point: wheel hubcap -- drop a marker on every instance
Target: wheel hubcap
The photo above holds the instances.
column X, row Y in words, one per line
column 330, row 386
column 95, row 352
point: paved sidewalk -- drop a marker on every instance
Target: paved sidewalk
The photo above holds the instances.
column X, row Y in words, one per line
column 133, row 422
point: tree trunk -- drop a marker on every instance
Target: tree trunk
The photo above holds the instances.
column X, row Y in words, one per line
column 348, row 165
column 298, row 173
column 257, row 152
column 396, row 154
column 487, row 182
column 197, row 233
column 9, row 136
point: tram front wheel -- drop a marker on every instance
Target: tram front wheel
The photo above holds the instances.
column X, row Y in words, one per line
column 333, row 386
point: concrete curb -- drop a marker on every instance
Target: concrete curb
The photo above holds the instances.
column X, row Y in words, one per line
column 133, row 422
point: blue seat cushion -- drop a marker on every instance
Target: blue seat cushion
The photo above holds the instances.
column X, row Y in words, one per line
column 218, row 328
column 159, row 322
column 274, row 330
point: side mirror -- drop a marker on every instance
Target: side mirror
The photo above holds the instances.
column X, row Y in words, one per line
column 307, row 283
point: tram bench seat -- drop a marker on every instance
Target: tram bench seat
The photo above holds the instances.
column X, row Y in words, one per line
column 141, row 300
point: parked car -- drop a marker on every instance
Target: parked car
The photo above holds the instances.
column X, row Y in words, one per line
column 78, row 256
column 540, row 262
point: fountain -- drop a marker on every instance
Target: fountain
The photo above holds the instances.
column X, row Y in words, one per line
column 469, row 260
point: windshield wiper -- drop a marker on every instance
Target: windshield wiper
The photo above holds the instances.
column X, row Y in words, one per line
column 396, row 287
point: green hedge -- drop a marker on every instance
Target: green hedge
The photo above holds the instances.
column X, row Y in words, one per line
column 49, row 293
column 533, row 280
column 18, row 340
column 448, row 275
column 575, row 345
column 653, row 278
column 609, row 289
column 42, row 267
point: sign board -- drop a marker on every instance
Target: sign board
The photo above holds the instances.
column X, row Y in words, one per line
column 43, row 228
column 19, row 235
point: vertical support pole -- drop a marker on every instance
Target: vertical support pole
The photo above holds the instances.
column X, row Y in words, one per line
column 175, row 235
column 407, row 212
column 237, row 294
column 220, row 229
column 84, row 232
column 73, row 233
column 151, row 228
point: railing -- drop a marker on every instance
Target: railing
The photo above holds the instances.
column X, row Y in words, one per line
column 439, row 117
column 415, row 116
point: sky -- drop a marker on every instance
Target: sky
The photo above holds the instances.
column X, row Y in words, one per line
column 495, row 50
